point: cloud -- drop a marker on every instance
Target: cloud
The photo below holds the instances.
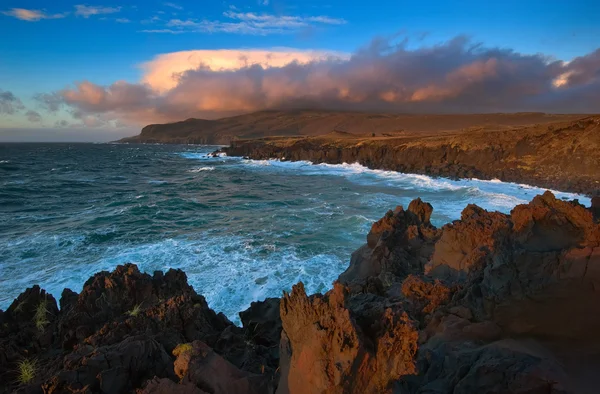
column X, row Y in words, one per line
column 173, row 5
column 122, row 20
column 9, row 103
column 51, row 102
column 162, row 73
column 581, row 70
column 31, row 15
column 33, row 116
column 247, row 23
column 87, row 11
column 457, row 76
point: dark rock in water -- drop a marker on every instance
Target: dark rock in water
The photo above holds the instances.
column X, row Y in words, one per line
column 491, row 303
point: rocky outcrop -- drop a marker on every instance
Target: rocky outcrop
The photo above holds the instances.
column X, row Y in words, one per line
column 486, row 312
column 122, row 333
column 491, row 303
column 562, row 156
column 338, row 344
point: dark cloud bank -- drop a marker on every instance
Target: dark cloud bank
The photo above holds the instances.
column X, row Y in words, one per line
column 458, row 76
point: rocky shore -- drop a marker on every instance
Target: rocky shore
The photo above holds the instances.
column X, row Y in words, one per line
column 491, row 303
column 561, row 156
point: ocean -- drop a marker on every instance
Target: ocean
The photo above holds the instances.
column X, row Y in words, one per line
column 242, row 230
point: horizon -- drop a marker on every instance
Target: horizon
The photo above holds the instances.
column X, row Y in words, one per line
column 98, row 73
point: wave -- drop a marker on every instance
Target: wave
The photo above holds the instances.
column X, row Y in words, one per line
column 505, row 194
column 201, row 169
column 204, row 155
column 230, row 271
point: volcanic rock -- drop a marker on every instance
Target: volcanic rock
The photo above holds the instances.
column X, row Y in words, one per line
column 491, row 303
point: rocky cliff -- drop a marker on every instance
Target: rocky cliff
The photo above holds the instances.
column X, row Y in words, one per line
column 563, row 156
column 490, row 303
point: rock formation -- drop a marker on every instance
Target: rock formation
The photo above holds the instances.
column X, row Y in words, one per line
column 491, row 303
column 561, row 156
column 123, row 332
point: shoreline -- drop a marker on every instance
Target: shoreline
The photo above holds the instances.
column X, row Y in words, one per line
column 435, row 177
column 411, row 297
column 439, row 158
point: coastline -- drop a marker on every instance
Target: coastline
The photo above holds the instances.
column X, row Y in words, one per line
column 508, row 156
column 412, row 297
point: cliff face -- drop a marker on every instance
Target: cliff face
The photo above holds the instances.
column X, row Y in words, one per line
column 564, row 156
column 491, row 303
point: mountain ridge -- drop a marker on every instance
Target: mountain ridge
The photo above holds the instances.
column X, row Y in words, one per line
column 313, row 122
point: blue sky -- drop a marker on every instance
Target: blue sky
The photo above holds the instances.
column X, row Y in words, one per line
column 47, row 46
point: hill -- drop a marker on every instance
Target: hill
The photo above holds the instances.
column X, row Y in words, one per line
column 313, row 123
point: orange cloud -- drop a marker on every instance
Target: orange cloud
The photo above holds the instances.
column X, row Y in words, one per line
column 163, row 72
column 451, row 77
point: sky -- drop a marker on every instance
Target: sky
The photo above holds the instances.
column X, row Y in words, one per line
column 100, row 71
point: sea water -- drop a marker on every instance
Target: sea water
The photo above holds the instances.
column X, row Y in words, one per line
column 242, row 230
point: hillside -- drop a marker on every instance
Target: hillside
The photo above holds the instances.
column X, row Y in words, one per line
column 313, row 123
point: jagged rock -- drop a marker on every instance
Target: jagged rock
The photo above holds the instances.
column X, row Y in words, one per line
column 165, row 302
column 198, row 364
column 118, row 333
column 489, row 303
column 332, row 353
column 254, row 347
column 112, row 369
column 398, row 244
column 502, row 367
column 424, row 295
column 465, row 243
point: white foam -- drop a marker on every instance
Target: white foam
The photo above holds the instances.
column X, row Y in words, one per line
column 202, row 169
column 4, row 161
column 205, row 155
column 500, row 194
column 230, row 271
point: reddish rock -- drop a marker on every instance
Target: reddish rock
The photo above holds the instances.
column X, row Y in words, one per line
column 490, row 303
column 332, row 353
column 399, row 244
column 466, row 243
column 424, row 294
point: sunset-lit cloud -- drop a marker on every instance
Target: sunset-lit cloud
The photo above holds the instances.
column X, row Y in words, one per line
column 455, row 76
column 163, row 72
column 31, row 15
